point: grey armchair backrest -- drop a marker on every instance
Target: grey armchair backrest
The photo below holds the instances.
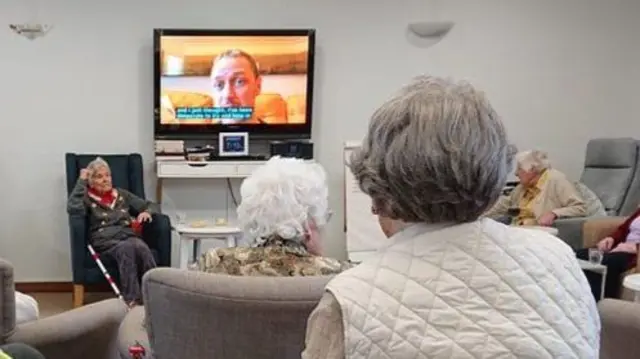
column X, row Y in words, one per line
column 612, row 172
column 200, row 315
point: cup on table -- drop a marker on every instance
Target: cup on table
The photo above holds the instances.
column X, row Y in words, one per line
column 595, row 256
column 181, row 217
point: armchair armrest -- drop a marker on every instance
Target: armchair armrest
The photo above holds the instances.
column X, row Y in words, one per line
column 570, row 230
column 158, row 234
column 598, row 228
column 78, row 236
column 87, row 332
column 7, row 299
column 620, row 328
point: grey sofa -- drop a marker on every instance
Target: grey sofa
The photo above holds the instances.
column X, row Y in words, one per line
column 200, row 316
column 620, row 329
column 87, row 332
column 612, row 172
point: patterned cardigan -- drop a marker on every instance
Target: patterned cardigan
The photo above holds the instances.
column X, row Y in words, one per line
column 108, row 224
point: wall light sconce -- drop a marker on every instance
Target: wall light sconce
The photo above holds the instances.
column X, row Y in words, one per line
column 424, row 34
column 31, row 31
column 431, row 29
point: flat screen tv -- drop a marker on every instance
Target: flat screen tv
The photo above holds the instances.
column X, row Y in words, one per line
column 212, row 81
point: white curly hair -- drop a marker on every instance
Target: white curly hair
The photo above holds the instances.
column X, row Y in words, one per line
column 282, row 198
column 533, row 160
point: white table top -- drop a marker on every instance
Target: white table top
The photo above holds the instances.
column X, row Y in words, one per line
column 208, row 231
column 594, row 267
column 632, row 281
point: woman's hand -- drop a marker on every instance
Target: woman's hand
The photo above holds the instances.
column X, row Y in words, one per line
column 605, row 244
column 547, row 219
column 144, row 217
column 84, row 174
column 626, row 247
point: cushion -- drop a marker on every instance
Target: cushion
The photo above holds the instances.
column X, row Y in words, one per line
column 296, row 108
column 133, row 331
column 594, row 204
column 609, row 168
column 271, row 108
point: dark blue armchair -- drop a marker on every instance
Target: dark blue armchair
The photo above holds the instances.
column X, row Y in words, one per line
column 126, row 173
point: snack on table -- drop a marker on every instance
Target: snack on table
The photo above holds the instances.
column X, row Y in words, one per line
column 221, row 222
column 198, row 224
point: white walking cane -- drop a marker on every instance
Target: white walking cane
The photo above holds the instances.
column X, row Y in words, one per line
column 106, row 274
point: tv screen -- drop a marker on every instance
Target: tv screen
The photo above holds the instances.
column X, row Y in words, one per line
column 211, row 81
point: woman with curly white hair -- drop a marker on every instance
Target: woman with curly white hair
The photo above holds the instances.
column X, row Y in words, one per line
column 284, row 205
column 450, row 284
column 543, row 195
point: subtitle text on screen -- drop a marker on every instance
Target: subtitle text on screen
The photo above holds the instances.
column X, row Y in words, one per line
column 202, row 113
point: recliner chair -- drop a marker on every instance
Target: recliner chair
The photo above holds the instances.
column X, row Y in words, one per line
column 126, row 173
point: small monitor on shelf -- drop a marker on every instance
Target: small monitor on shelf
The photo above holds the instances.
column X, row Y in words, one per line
column 233, row 144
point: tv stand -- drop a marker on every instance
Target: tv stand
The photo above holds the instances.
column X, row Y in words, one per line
column 206, row 169
column 225, row 169
column 239, row 158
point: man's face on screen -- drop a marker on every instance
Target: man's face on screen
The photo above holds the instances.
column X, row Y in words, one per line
column 234, row 82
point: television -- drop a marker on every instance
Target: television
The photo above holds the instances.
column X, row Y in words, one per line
column 212, row 81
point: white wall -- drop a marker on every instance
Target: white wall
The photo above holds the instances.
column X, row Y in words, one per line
column 557, row 71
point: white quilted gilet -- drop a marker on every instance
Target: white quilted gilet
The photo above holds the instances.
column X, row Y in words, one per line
column 477, row 290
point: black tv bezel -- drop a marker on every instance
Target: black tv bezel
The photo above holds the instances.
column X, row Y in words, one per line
column 284, row 131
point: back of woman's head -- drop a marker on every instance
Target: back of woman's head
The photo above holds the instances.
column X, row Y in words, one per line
column 282, row 198
column 434, row 152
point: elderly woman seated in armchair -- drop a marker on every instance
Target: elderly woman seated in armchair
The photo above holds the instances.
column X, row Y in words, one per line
column 619, row 253
column 283, row 208
column 543, row 195
column 113, row 231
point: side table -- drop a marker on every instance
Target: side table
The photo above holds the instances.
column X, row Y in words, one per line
column 632, row 282
column 597, row 268
column 191, row 237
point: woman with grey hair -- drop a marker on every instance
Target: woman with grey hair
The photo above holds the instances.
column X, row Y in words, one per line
column 113, row 230
column 284, row 206
column 543, row 194
column 450, row 284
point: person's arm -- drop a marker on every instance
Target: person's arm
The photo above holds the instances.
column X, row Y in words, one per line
column 138, row 204
column 501, row 208
column 76, row 204
column 325, row 331
column 572, row 204
column 620, row 234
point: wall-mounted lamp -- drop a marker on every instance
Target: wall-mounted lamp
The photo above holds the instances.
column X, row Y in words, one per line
column 31, row 31
column 425, row 34
column 431, row 29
